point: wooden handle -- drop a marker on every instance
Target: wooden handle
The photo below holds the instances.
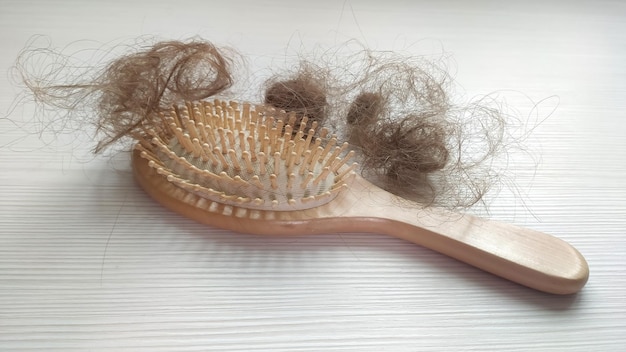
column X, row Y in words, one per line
column 525, row 256
column 522, row 255
column 528, row 257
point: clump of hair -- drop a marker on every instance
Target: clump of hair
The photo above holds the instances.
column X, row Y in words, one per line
column 441, row 157
column 404, row 150
column 365, row 109
column 303, row 95
column 398, row 121
column 128, row 93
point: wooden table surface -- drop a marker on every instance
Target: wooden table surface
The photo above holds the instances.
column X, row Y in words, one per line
column 89, row 263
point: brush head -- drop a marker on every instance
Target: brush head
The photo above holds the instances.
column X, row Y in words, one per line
column 247, row 156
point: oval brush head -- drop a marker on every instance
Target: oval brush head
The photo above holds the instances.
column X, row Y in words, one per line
column 248, row 156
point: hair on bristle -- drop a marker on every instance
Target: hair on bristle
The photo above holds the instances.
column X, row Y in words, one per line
column 398, row 154
column 141, row 84
column 129, row 92
column 303, row 95
column 395, row 111
column 412, row 141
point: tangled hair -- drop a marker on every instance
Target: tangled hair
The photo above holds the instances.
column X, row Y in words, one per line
column 365, row 109
column 400, row 152
column 134, row 87
column 302, row 95
column 395, row 111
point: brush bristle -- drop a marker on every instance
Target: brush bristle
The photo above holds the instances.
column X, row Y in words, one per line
column 248, row 156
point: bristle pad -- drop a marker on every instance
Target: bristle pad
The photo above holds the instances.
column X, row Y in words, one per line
column 247, row 156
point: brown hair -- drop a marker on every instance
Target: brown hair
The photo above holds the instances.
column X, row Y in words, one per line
column 132, row 88
column 395, row 111
column 302, row 95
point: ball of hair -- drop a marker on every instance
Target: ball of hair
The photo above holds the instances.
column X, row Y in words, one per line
column 365, row 109
column 302, row 96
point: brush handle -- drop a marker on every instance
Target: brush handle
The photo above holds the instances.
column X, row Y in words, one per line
column 524, row 256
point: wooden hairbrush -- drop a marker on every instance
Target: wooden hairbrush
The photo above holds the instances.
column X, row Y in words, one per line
column 253, row 169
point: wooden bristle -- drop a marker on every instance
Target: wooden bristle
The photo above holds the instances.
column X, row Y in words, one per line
column 246, row 156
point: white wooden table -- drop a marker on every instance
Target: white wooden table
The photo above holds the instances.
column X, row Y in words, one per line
column 89, row 263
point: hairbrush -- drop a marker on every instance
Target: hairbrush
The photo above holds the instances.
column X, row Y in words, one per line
column 254, row 169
